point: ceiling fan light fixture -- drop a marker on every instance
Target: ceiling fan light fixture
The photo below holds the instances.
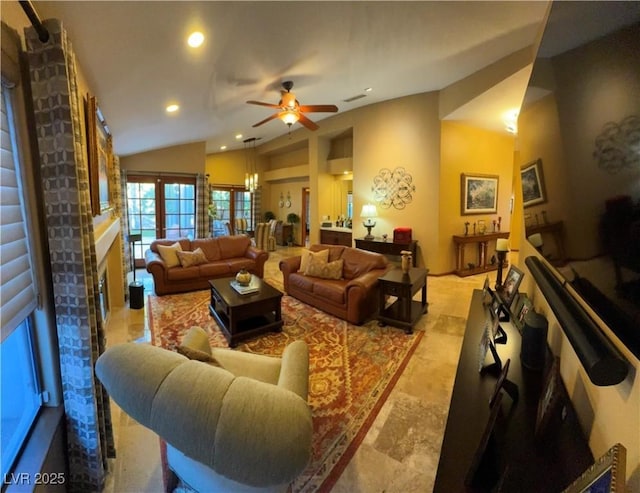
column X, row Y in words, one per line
column 289, row 117
column 288, row 100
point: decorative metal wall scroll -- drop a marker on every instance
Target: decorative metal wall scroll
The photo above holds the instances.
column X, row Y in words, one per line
column 393, row 188
column 618, row 146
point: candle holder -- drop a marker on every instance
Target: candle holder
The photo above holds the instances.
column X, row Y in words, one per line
column 501, row 258
column 502, row 247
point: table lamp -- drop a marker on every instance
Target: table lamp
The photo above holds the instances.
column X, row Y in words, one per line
column 502, row 247
column 369, row 213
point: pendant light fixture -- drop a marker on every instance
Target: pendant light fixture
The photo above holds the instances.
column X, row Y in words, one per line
column 251, row 171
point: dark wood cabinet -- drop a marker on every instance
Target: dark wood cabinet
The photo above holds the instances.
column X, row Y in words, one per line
column 391, row 248
column 333, row 237
column 283, row 232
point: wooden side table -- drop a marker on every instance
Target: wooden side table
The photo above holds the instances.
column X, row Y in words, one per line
column 404, row 312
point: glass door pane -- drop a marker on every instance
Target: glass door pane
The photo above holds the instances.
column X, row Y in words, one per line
column 179, row 210
column 141, row 206
column 222, row 198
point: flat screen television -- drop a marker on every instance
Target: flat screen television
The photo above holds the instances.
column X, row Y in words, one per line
column 579, row 139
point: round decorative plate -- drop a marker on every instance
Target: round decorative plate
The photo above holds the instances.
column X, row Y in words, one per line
column 287, row 203
column 281, row 203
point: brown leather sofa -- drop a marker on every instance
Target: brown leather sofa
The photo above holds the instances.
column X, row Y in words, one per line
column 226, row 255
column 353, row 298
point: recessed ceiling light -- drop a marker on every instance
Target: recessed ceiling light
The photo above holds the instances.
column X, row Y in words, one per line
column 195, row 39
column 172, row 108
column 368, row 89
column 238, row 137
column 222, row 148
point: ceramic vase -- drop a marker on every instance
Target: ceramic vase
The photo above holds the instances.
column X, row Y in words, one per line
column 243, row 277
column 407, row 260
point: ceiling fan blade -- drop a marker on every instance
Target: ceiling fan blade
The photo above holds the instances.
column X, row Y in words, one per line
column 307, row 123
column 319, row 108
column 260, row 103
column 268, row 119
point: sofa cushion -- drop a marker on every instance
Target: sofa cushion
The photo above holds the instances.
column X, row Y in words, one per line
column 335, row 251
column 187, row 259
column 169, row 254
column 236, row 264
column 307, row 256
column 233, row 246
column 359, row 262
column 330, row 290
column 300, row 281
column 183, row 273
column 185, row 244
column 324, row 270
column 197, row 355
column 210, row 247
column 214, row 269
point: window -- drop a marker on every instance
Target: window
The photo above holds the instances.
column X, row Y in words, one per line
column 20, row 396
column 19, row 392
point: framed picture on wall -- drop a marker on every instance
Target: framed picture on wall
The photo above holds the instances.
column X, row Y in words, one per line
column 100, row 155
column 533, row 191
column 478, row 194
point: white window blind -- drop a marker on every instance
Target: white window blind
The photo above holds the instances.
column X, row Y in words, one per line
column 17, row 290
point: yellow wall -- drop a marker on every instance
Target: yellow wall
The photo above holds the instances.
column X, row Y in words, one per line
column 470, row 150
column 185, row 158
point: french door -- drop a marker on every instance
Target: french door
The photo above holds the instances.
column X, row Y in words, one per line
column 231, row 203
column 160, row 207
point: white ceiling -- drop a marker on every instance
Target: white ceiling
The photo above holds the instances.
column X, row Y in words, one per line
column 136, row 61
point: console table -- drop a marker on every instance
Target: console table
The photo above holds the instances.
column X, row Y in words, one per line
column 482, row 242
column 387, row 247
column 523, row 463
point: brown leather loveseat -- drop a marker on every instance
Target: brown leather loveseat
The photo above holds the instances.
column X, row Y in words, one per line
column 223, row 256
column 352, row 297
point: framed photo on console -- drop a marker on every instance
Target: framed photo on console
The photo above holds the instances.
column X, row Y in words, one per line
column 550, row 398
column 511, row 285
column 484, row 441
column 607, row 475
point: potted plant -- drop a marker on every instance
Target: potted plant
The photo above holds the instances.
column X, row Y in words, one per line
column 268, row 216
column 294, row 219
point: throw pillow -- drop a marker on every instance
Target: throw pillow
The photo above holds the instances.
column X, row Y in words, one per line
column 187, row 259
column 170, row 254
column 324, row 270
column 197, row 355
column 307, row 256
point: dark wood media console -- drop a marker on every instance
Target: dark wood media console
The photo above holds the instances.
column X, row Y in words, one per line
column 515, row 460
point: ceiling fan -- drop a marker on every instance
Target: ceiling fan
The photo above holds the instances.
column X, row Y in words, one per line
column 291, row 111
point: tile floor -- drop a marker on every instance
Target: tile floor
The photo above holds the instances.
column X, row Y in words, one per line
column 401, row 450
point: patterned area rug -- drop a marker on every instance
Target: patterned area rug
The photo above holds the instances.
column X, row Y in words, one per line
column 352, row 370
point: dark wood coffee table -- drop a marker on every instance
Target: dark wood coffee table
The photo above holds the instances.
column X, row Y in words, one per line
column 242, row 316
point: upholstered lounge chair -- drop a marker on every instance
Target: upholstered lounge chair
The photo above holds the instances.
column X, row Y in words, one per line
column 242, row 427
column 265, row 237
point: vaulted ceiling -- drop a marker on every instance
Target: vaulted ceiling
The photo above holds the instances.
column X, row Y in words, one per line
column 135, row 59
